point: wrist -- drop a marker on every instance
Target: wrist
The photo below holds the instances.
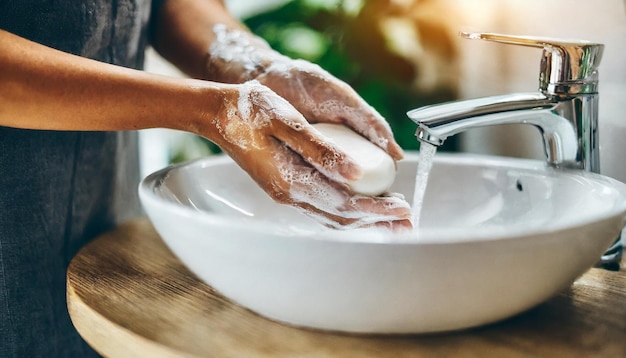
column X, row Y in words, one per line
column 237, row 56
column 202, row 107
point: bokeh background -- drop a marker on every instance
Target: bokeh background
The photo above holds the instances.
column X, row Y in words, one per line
column 403, row 54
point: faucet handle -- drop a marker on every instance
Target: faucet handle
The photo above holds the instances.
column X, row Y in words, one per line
column 568, row 67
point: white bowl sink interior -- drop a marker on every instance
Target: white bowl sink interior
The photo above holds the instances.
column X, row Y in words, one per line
column 497, row 237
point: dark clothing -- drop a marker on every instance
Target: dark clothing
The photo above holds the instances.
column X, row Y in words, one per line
column 113, row 31
column 60, row 189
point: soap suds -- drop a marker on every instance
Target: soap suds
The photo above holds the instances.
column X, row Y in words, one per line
column 241, row 49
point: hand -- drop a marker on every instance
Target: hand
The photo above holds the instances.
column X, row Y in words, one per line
column 237, row 56
column 269, row 138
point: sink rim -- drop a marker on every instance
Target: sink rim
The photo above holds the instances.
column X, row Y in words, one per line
column 427, row 236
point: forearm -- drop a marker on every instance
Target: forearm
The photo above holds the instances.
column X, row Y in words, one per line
column 184, row 32
column 42, row 88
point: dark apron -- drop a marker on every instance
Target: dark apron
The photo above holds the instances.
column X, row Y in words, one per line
column 60, row 189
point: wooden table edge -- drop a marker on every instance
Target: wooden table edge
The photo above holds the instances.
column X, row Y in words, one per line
column 108, row 338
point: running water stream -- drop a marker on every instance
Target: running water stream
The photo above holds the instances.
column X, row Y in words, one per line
column 424, row 165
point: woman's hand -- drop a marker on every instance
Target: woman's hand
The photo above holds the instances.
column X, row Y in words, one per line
column 237, row 56
column 282, row 152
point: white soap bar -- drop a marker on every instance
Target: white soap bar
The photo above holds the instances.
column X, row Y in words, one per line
column 378, row 168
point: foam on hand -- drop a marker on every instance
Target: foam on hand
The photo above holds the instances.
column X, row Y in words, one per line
column 378, row 169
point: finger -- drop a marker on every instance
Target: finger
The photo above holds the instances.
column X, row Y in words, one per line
column 343, row 105
column 395, row 221
column 397, row 226
column 370, row 124
column 315, row 149
column 378, row 208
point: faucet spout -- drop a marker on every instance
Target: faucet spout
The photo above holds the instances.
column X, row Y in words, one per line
column 438, row 122
column 560, row 120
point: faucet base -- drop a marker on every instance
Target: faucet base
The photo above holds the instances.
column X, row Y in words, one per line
column 612, row 258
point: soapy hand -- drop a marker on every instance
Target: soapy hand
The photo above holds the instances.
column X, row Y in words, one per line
column 237, row 56
column 269, row 138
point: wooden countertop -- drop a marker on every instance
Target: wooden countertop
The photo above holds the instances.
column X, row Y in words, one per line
column 128, row 296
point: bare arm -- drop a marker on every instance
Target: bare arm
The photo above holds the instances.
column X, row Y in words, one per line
column 42, row 88
column 183, row 32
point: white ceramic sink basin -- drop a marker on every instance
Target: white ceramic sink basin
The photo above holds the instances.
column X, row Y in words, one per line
column 498, row 237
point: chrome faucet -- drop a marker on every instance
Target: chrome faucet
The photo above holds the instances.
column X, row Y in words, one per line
column 564, row 109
